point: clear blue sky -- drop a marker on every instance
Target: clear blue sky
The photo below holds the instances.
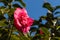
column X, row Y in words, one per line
column 35, row 9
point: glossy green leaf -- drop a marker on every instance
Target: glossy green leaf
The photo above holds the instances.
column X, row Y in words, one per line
column 21, row 1
column 57, row 13
column 58, row 27
column 57, row 7
column 48, row 6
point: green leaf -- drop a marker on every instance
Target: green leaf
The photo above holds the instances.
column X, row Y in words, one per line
column 23, row 37
column 21, row 1
column 16, row 5
column 48, row 6
column 57, row 7
column 33, row 29
column 1, row 16
column 46, row 33
column 45, row 30
column 58, row 27
column 15, row 37
column 2, row 23
column 55, row 38
column 10, row 13
column 57, row 13
column 43, row 17
column 35, row 22
column 49, row 16
column 4, row 34
column 4, row 10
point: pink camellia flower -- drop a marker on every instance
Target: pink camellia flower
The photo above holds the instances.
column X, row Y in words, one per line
column 21, row 20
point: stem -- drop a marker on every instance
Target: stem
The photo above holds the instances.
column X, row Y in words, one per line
column 23, row 37
column 11, row 32
column 49, row 38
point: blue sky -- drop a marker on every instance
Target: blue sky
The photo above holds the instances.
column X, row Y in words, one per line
column 35, row 9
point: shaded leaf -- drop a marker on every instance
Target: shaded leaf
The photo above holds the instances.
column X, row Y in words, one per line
column 21, row 1
column 57, row 13
column 48, row 6
column 43, row 17
column 58, row 27
column 57, row 7
column 49, row 16
column 17, row 5
column 1, row 16
column 10, row 13
column 33, row 29
column 35, row 22
column 4, row 35
column 15, row 37
column 2, row 23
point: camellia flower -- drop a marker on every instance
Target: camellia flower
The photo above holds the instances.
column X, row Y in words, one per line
column 21, row 20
